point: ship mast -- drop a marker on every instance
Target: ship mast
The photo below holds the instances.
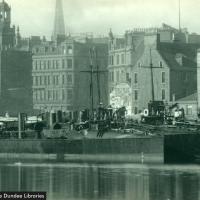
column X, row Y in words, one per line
column 92, row 56
column 91, row 83
column 152, row 83
column 98, row 78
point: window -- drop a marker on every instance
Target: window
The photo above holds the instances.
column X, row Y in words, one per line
column 117, row 59
column 112, row 60
column 54, row 81
column 49, row 95
column 117, row 76
column 36, row 95
column 57, row 64
column 69, row 50
column 53, row 49
column 139, row 64
column 135, row 78
column 128, row 79
column 63, row 94
column 163, row 94
column 57, row 80
column 45, row 80
column 69, row 78
column 48, row 64
column 44, row 64
column 136, row 95
column 56, row 95
column 163, row 77
column 64, row 50
column 63, row 79
column 35, row 65
column 49, row 80
column 69, row 95
column 36, row 80
column 112, row 76
column 40, row 80
column 160, row 64
column 40, row 64
column 63, row 63
column 69, row 63
column 53, row 94
column 122, row 58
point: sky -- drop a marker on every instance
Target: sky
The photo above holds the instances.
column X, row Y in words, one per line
column 98, row 16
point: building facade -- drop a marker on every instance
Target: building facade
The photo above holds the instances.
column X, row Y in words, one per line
column 144, row 67
column 69, row 73
column 62, row 75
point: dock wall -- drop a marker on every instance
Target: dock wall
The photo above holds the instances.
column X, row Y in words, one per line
column 84, row 149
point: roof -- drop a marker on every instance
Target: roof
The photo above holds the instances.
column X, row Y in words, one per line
column 192, row 97
column 169, row 52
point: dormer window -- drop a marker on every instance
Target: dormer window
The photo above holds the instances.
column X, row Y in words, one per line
column 179, row 58
column 69, row 49
column 160, row 64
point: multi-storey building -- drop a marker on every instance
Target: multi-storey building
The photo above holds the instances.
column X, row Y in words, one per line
column 61, row 75
column 62, row 71
column 142, row 67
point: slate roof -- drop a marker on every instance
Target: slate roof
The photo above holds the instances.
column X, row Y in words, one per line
column 169, row 51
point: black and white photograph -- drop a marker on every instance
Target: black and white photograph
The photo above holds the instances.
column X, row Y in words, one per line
column 99, row 100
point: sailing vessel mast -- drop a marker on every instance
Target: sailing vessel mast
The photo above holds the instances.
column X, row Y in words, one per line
column 152, row 83
column 92, row 56
column 98, row 78
column 91, row 83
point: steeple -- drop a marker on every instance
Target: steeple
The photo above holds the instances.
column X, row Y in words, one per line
column 5, row 13
column 179, row 15
column 7, row 33
column 59, row 24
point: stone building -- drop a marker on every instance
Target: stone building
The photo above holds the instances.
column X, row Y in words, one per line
column 144, row 67
column 61, row 75
column 15, row 68
column 62, row 70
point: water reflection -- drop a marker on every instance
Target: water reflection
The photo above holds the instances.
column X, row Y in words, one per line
column 103, row 182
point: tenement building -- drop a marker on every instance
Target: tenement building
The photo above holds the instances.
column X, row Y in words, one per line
column 62, row 75
column 69, row 74
column 15, row 68
column 150, row 64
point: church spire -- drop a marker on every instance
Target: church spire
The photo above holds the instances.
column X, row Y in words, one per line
column 59, row 24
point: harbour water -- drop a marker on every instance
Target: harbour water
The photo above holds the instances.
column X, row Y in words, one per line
column 104, row 181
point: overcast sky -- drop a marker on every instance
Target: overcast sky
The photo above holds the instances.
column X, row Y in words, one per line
column 98, row 16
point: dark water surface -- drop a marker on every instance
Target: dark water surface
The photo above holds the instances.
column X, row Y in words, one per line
column 104, row 182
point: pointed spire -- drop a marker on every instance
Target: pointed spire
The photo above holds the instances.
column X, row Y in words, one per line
column 179, row 15
column 59, row 24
